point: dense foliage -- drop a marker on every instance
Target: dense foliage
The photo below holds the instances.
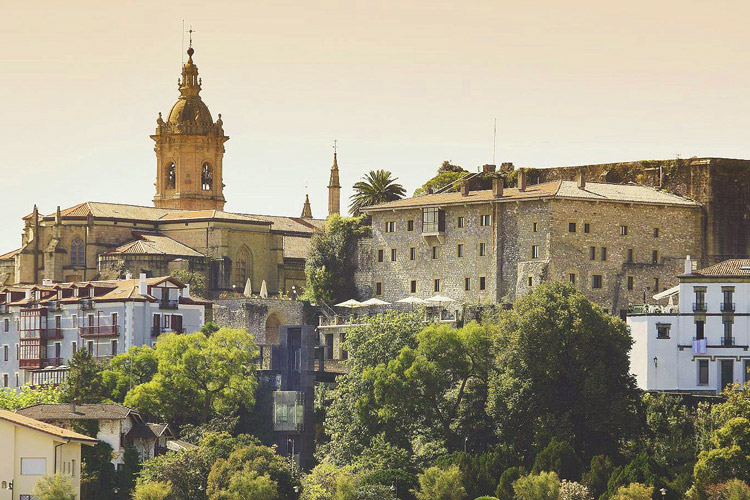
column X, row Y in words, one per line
column 377, row 186
column 12, row 400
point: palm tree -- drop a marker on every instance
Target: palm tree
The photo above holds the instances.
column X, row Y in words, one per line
column 376, row 187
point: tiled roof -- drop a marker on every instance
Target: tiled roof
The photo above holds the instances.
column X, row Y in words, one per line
column 53, row 430
column 156, row 244
column 594, row 191
column 290, row 224
column 296, row 247
column 159, row 429
column 728, row 268
column 65, row 411
column 10, row 255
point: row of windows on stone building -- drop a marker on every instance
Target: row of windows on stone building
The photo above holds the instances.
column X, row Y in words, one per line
column 207, row 176
column 482, row 251
column 437, row 284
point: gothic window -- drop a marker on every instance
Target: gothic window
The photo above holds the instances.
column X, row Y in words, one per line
column 171, row 176
column 207, row 177
column 77, row 252
column 244, row 266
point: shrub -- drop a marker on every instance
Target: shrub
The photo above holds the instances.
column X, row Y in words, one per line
column 55, row 487
column 734, row 489
column 504, row 489
column 634, row 491
column 542, row 486
column 441, row 484
column 570, row 490
column 560, row 457
column 156, row 490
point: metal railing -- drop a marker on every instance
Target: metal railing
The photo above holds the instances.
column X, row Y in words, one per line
column 727, row 307
column 52, row 333
column 727, row 341
column 169, row 304
column 699, row 307
column 99, row 331
column 56, row 361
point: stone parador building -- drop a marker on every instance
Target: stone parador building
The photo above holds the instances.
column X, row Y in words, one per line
column 616, row 242
column 186, row 228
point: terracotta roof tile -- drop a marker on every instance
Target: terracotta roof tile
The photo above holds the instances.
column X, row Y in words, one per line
column 53, row 430
column 727, row 268
column 65, row 411
column 156, row 244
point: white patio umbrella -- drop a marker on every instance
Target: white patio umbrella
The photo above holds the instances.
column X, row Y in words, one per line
column 440, row 299
column 263, row 290
column 248, row 289
column 413, row 301
column 375, row 302
column 350, row 304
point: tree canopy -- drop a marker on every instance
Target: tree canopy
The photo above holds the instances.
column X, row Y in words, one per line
column 377, row 186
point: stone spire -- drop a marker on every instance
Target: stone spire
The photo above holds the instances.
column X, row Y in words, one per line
column 334, row 187
column 307, row 210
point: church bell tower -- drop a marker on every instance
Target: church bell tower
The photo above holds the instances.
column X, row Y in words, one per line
column 189, row 150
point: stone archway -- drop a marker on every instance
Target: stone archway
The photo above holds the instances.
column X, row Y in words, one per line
column 273, row 322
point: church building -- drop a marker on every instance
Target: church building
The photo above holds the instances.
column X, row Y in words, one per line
column 186, row 229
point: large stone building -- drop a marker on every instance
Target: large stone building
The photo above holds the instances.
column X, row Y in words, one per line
column 616, row 242
column 187, row 227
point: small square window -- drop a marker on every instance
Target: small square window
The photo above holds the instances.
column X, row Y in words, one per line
column 485, row 220
column 592, row 253
column 623, row 230
column 435, row 253
column 460, row 250
column 604, row 253
column 535, row 227
column 413, row 286
column 596, row 281
column 586, row 227
column 380, row 255
column 410, row 225
column 378, row 288
column 460, row 222
column 662, row 330
column 572, row 278
column 482, row 283
column 393, row 255
column 412, row 253
column 534, row 251
column 390, row 227
column 531, row 281
column 656, row 232
column 482, row 249
column 571, row 227
column 467, row 284
column 437, row 284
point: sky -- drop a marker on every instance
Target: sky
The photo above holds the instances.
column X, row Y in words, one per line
column 401, row 85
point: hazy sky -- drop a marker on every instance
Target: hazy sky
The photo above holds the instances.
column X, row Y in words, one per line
column 402, row 85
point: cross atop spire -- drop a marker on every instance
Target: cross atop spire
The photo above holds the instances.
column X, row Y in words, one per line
column 335, row 146
column 191, row 31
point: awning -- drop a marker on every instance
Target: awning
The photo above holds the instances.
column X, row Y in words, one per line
column 667, row 293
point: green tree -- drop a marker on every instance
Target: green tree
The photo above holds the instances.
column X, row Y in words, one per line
column 446, row 178
column 196, row 280
column 374, row 492
column 509, row 476
column 634, row 491
column 327, row 481
column 563, row 369
column 730, row 456
column 97, row 472
column 734, row 489
column 245, row 484
column 199, row 376
column 643, row 469
column 253, row 464
column 431, row 390
column 332, row 260
column 597, row 475
column 187, row 470
column 441, row 484
column 571, row 490
column 152, row 491
column 542, row 486
column 54, row 487
column 560, row 457
column 28, row 396
column 375, row 187
column 129, row 369
column 83, row 383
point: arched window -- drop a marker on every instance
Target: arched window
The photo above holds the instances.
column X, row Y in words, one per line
column 77, row 252
column 207, row 177
column 243, row 267
column 171, row 176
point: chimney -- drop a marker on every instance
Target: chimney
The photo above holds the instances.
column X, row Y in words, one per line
column 128, row 275
column 464, row 188
column 186, row 291
column 497, row 187
column 142, row 286
column 521, row 179
column 581, row 179
column 488, row 169
column 688, row 265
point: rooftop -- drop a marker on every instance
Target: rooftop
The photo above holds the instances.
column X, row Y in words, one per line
column 155, row 244
column 731, row 268
column 52, row 430
column 67, row 411
column 593, row 191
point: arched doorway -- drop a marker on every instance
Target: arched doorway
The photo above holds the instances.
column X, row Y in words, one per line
column 273, row 322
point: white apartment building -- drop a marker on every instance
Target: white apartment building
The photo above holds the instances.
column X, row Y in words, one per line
column 702, row 344
column 41, row 326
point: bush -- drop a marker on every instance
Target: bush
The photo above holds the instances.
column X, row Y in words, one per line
column 634, row 491
column 731, row 490
column 374, row 492
column 542, row 486
column 156, row 490
column 504, row 489
column 441, row 484
column 485, row 497
column 56, row 487
column 597, row 477
column 560, row 457
column 570, row 490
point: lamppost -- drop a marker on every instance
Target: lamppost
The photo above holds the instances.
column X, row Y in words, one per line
column 663, row 492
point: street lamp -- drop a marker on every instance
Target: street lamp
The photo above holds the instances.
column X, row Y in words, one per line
column 656, row 364
column 663, row 492
column 466, row 442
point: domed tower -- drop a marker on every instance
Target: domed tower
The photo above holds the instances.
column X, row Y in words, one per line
column 189, row 150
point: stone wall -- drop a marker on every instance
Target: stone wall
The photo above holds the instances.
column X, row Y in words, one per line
column 260, row 316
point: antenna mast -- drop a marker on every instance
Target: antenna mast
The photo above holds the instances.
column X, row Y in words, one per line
column 494, row 140
column 182, row 47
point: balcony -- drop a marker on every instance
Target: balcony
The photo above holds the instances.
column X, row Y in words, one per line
column 727, row 307
column 99, row 331
column 699, row 307
column 727, row 341
column 169, row 304
column 54, row 362
column 52, row 334
column 30, row 364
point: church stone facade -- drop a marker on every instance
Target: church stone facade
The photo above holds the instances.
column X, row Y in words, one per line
column 186, row 229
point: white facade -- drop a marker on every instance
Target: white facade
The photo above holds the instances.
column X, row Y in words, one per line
column 704, row 343
column 42, row 326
